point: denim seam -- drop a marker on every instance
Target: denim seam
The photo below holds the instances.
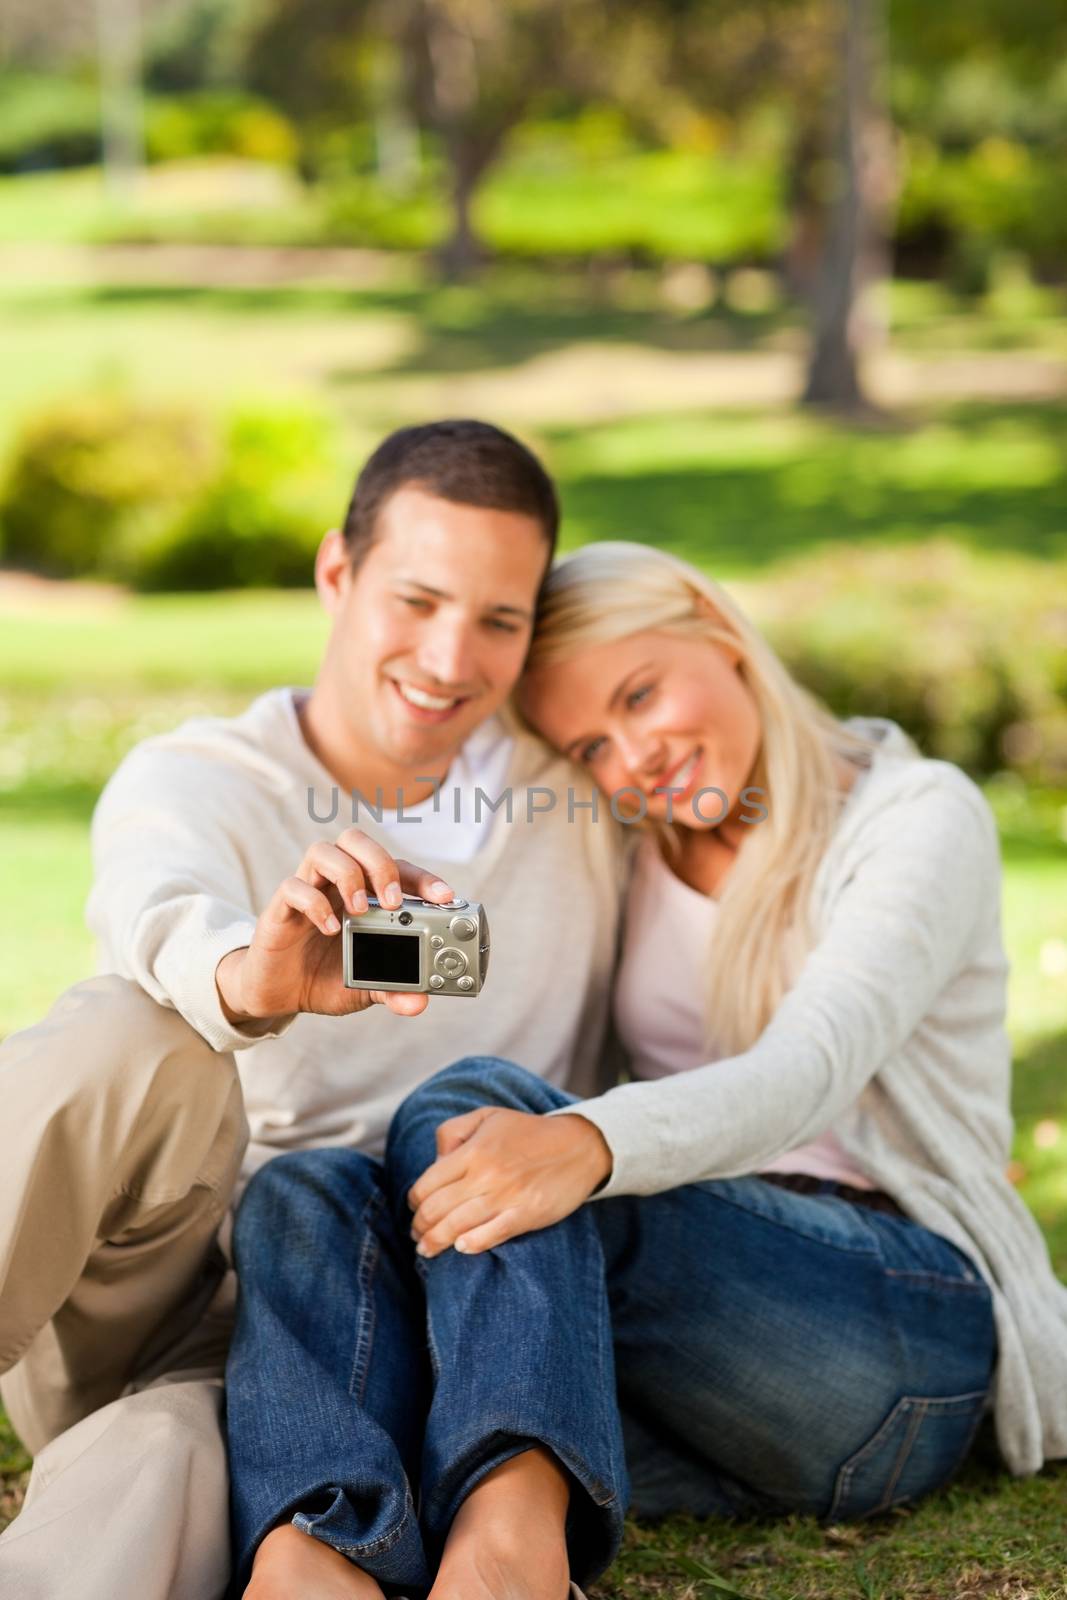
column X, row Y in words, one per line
column 598, row 1492
column 370, row 1547
column 872, row 1251
column 923, row 1407
column 421, row 1269
column 367, row 1321
column 906, row 1446
column 848, row 1471
column 942, row 1280
column 599, row 1274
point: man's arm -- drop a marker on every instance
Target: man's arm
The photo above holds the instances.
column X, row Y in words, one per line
column 170, row 895
column 171, row 905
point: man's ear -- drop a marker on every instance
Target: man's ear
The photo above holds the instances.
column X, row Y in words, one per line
column 333, row 570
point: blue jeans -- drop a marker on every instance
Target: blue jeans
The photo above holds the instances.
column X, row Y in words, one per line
column 727, row 1348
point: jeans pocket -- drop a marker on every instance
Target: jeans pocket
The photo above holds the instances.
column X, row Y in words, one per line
column 918, row 1447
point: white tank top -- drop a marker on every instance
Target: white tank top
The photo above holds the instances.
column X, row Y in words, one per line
column 660, row 995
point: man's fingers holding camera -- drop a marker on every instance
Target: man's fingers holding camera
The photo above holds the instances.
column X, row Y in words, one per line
column 380, row 871
column 294, row 897
column 327, row 863
column 427, row 885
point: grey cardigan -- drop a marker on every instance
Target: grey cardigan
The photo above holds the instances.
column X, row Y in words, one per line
column 893, row 1034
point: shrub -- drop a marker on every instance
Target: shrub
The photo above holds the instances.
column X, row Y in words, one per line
column 217, row 123
column 47, row 122
column 967, row 652
column 153, row 495
column 94, row 474
column 259, row 521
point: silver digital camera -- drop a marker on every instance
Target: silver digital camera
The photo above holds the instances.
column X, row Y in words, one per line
column 420, row 948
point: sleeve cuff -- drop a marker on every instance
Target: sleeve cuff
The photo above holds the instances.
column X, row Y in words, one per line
column 200, row 1003
column 630, row 1173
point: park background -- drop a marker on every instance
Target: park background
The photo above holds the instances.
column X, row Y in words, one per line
column 779, row 286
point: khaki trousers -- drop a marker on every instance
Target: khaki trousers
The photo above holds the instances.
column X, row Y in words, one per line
column 123, row 1138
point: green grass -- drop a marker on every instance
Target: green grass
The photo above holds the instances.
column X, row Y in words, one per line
column 665, row 204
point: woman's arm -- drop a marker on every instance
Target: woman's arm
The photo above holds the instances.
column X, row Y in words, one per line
column 926, row 873
column 923, row 874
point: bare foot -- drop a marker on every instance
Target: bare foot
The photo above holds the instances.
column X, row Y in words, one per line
column 293, row 1565
column 507, row 1541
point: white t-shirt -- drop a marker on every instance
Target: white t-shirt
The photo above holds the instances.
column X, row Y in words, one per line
column 660, row 996
column 450, row 825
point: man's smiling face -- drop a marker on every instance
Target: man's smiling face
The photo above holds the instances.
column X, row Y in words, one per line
column 433, row 626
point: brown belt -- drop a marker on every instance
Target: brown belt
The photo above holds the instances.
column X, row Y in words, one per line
column 805, row 1183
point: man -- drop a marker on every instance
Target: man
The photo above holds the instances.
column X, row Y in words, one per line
column 216, row 899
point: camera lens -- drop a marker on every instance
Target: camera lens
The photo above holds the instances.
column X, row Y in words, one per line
column 404, row 918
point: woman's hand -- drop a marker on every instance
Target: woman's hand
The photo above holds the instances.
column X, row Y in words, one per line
column 502, row 1173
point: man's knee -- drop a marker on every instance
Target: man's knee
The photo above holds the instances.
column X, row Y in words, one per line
column 107, row 1056
column 286, row 1196
column 106, row 1030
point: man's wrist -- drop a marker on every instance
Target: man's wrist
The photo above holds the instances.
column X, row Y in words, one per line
column 228, row 987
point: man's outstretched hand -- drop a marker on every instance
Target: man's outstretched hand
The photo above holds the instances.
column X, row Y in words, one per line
column 294, row 963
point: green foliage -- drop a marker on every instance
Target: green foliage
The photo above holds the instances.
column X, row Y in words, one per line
column 218, row 123
column 94, row 474
column 191, row 46
column 47, row 121
column 968, row 654
column 996, row 196
column 660, row 204
column 102, row 484
column 259, row 522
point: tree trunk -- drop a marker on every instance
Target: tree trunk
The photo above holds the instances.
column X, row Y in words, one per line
column 119, row 54
column 470, row 158
column 855, row 252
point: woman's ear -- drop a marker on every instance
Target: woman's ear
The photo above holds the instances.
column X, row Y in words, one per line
column 704, row 608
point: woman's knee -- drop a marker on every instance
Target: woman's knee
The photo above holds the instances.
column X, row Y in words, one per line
column 300, row 1192
column 463, row 1086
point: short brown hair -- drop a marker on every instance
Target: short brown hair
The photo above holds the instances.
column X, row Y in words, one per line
column 467, row 462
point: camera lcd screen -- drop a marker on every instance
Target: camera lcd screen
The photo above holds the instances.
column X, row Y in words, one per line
column 385, row 957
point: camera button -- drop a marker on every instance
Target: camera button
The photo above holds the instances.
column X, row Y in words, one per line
column 436, row 941
column 466, row 984
column 436, row 981
column 462, row 928
column 450, row 962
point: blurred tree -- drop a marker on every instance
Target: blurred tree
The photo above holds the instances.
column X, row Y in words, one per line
column 855, row 253
column 118, row 25
column 476, row 65
column 189, row 46
column 820, row 64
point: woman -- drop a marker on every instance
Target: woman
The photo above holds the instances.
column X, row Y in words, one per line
column 802, row 1253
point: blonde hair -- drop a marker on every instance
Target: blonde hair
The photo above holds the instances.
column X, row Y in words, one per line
column 607, row 591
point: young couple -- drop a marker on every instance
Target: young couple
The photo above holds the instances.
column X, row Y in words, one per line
column 488, row 1295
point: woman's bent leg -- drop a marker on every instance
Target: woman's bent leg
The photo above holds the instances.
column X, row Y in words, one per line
column 519, row 1336
column 327, row 1383
column 803, row 1353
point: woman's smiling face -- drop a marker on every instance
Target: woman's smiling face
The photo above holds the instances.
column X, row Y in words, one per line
column 652, row 711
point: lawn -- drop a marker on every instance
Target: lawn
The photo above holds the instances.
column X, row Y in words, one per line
column 663, row 421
